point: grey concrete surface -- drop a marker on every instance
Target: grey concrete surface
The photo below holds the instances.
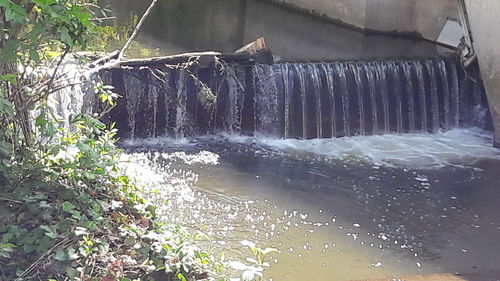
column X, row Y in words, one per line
column 425, row 17
column 178, row 26
column 485, row 22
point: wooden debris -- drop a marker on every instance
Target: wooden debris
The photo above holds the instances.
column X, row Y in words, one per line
column 254, row 47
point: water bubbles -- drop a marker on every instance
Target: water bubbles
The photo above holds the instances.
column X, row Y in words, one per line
column 421, row 178
column 383, row 236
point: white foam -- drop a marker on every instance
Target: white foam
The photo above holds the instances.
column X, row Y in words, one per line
column 456, row 147
column 158, row 141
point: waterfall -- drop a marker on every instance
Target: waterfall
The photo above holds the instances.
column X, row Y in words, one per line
column 330, row 88
column 342, row 80
column 305, row 100
column 134, row 90
column 356, row 69
column 419, row 69
column 408, row 80
column 266, row 100
column 285, row 72
column 434, row 95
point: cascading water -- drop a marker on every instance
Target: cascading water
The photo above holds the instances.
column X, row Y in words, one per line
column 304, row 100
column 266, row 100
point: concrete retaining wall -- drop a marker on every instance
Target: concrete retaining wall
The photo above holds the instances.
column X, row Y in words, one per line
column 425, row 17
column 485, row 21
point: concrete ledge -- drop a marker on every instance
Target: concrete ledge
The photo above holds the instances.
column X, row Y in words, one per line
column 484, row 20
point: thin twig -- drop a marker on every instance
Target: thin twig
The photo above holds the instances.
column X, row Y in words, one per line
column 66, row 51
column 40, row 259
column 11, row 200
column 104, row 18
column 136, row 30
column 105, row 59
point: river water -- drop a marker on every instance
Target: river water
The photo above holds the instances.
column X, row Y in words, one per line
column 336, row 209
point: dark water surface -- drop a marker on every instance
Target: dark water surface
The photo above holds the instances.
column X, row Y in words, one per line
column 178, row 26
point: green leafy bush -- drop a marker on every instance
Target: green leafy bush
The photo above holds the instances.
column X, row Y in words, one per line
column 67, row 211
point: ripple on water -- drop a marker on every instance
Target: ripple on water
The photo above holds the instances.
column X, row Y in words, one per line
column 330, row 209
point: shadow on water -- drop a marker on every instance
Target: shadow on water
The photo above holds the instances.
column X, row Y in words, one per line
column 177, row 26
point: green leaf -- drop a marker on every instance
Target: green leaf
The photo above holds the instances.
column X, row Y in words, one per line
column 72, row 273
column 181, row 277
column 72, row 254
column 28, row 248
column 51, row 130
column 83, row 146
column 9, row 53
column 60, row 255
column 65, row 37
column 41, row 120
column 34, row 56
column 50, row 232
column 6, row 107
column 5, row 3
column 11, row 78
column 67, row 206
column 15, row 13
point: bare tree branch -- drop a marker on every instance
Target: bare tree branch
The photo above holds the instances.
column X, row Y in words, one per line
column 136, row 30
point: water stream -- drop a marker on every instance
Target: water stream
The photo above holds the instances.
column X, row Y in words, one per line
column 302, row 100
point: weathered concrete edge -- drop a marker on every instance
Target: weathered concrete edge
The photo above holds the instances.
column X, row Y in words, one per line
column 483, row 17
column 321, row 16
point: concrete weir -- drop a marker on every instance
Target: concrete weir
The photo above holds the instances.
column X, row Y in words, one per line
column 369, row 31
column 484, row 20
column 425, row 19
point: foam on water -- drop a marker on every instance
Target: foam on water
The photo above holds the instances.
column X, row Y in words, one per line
column 158, row 141
column 458, row 147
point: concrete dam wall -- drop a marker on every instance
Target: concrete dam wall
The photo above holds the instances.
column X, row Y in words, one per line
column 423, row 17
column 484, row 20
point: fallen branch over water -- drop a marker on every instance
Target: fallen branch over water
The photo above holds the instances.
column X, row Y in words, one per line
column 204, row 59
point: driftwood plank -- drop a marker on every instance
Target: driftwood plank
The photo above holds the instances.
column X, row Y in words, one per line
column 204, row 58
